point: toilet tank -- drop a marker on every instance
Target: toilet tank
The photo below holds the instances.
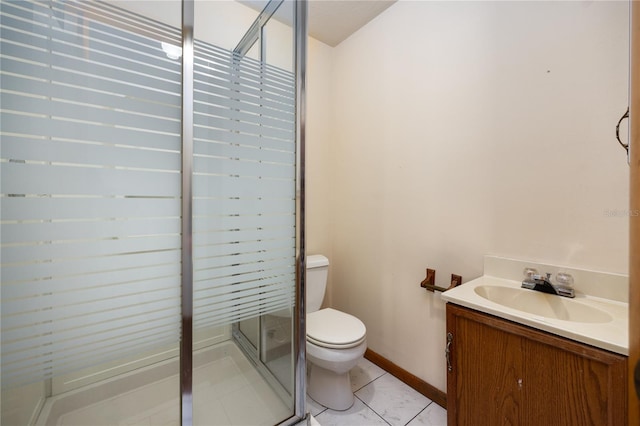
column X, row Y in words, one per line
column 316, row 283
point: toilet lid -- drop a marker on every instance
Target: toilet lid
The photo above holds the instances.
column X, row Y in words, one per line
column 334, row 329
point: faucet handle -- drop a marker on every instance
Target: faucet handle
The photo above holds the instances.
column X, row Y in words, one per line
column 530, row 272
column 564, row 278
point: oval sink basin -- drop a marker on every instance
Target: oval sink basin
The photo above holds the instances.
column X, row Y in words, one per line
column 542, row 304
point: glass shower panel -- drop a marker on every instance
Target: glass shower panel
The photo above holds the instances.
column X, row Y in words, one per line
column 244, row 216
column 279, row 38
column 270, row 334
column 90, row 213
column 277, row 328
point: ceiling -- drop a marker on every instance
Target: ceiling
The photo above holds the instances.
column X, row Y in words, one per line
column 333, row 21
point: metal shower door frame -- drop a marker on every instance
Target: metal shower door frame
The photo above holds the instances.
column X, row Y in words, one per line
column 255, row 32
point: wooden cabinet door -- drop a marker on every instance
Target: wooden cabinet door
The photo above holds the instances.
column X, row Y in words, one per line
column 508, row 374
column 567, row 383
column 482, row 388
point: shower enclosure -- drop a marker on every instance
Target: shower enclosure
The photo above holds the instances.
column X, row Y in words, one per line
column 152, row 212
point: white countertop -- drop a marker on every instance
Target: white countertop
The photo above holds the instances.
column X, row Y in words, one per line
column 612, row 335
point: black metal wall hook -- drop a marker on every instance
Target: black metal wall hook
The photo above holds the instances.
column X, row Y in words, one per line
column 624, row 145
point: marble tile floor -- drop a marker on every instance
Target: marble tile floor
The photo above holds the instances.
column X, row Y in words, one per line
column 381, row 399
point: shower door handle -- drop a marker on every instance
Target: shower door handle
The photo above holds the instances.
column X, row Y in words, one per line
column 622, row 144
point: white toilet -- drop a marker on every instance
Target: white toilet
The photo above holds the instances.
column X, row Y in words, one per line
column 336, row 341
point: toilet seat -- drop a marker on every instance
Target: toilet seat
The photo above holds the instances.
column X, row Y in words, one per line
column 333, row 329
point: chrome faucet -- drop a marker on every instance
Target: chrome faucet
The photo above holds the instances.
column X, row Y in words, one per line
column 539, row 283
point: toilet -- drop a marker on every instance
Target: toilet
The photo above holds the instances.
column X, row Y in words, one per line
column 336, row 341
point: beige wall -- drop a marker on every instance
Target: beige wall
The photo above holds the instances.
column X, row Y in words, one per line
column 463, row 129
column 318, row 152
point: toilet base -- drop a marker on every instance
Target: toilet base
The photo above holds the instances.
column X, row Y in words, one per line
column 330, row 389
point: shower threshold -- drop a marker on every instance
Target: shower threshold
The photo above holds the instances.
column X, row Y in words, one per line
column 227, row 390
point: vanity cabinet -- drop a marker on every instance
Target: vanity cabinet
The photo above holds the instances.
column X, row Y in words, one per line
column 504, row 373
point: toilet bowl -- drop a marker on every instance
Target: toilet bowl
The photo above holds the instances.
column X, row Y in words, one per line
column 336, row 341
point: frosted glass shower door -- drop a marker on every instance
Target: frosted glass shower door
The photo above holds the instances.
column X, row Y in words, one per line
column 244, row 223
column 90, row 213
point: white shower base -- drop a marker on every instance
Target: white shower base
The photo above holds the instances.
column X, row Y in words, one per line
column 227, row 390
